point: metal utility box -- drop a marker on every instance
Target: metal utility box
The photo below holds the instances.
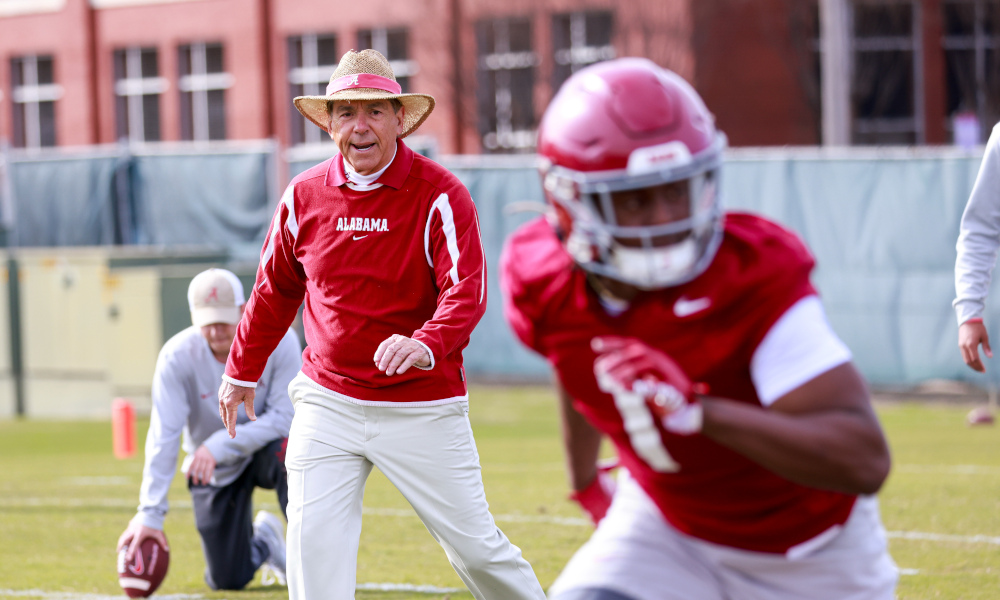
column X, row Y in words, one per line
column 64, row 332
column 92, row 324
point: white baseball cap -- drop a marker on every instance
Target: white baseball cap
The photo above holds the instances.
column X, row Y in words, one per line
column 215, row 296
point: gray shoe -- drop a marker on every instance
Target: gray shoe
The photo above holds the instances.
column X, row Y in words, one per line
column 269, row 529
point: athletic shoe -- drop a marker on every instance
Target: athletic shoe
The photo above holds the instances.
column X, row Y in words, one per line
column 268, row 576
column 269, row 529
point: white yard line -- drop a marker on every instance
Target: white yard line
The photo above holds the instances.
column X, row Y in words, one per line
column 79, row 503
column 406, row 587
column 78, row 596
column 949, row 469
column 74, row 503
column 567, row 521
column 378, row 587
column 100, row 481
column 944, row 537
column 408, row 513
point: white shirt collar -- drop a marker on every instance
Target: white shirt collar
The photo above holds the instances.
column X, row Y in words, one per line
column 365, row 181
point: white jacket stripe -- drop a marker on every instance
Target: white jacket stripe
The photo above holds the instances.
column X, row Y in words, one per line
column 479, row 235
column 288, row 199
column 448, row 227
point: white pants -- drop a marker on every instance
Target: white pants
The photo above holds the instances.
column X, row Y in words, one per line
column 427, row 451
column 635, row 552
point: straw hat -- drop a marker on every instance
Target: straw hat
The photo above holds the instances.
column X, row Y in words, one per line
column 365, row 75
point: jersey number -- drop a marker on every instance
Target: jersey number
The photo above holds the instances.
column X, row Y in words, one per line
column 642, row 432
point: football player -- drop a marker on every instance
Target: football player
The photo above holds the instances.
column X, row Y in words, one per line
column 693, row 339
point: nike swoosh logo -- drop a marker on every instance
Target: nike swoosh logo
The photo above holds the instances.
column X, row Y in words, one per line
column 359, row 237
column 685, row 308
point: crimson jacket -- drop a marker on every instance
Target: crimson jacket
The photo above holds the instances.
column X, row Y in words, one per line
column 403, row 256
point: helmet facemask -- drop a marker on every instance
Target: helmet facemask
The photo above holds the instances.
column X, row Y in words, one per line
column 651, row 255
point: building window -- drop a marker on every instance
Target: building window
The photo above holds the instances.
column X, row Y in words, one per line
column 203, row 84
column 885, row 97
column 506, row 83
column 394, row 45
column 312, row 59
column 34, row 101
column 972, row 56
column 579, row 39
column 137, row 94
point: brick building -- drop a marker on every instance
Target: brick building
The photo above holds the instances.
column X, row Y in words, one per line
column 75, row 72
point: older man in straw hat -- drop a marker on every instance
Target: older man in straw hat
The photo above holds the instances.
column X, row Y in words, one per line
column 383, row 245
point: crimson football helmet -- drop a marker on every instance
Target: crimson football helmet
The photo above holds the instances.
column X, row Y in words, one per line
column 628, row 124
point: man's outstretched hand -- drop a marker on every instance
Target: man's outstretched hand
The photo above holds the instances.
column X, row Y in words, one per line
column 230, row 398
column 971, row 334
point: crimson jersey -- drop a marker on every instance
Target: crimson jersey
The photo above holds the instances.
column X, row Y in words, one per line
column 711, row 327
column 403, row 257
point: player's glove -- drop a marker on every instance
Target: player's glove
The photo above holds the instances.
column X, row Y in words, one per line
column 628, row 365
column 595, row 499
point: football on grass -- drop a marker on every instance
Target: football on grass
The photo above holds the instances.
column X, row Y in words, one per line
column 140, row 577
column 980, row 416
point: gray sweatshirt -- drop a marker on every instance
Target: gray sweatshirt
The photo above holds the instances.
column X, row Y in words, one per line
column 979, row 236
column 185, row 400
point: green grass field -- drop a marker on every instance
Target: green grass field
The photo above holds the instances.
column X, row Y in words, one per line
column 64, row 499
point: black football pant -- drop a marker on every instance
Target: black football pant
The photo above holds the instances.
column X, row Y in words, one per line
column 224, row 517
